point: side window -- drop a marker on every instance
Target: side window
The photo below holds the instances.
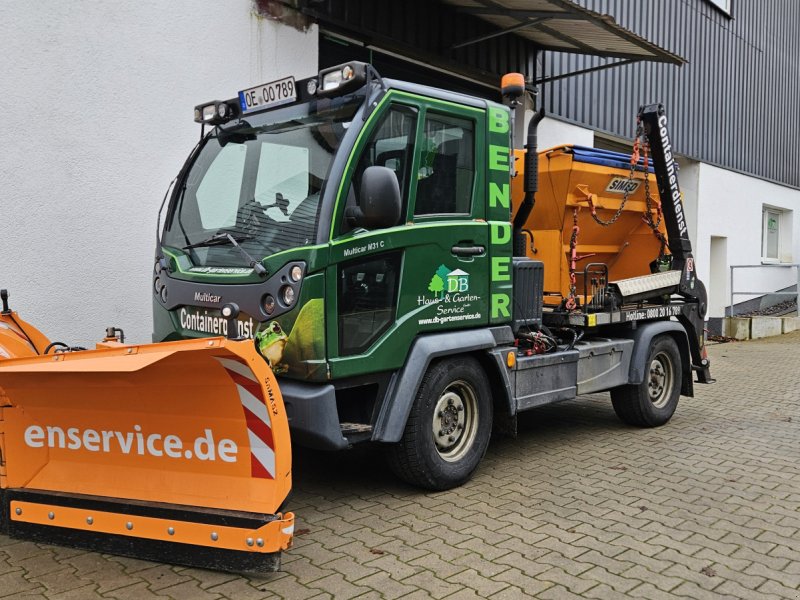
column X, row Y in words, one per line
column 392, row 146
column 447, row 169
column 367, row 300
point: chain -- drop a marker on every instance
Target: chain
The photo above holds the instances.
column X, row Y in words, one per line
column 627, row 192
column 647, row 217
column 570, row 303
column 641, row 147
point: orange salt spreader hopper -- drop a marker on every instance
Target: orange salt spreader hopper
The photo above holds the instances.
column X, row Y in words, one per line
column 177, row 451
column 573, row 180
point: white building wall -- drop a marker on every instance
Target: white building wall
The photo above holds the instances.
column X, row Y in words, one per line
column 730, row 206
column 97, row 104
column 553, row 132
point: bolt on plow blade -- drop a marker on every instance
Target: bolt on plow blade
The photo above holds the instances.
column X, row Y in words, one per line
column 176, row 451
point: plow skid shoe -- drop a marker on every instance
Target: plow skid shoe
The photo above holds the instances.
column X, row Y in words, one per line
column 176, row 451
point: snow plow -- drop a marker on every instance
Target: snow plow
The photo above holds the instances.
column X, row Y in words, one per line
column 111, row 451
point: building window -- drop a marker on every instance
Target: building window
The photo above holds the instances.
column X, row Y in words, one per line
column 771, row 234
column 724, row 5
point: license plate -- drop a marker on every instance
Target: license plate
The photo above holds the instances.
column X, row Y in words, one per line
column 268, row 95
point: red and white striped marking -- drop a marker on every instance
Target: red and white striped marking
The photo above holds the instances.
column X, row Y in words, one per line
column 259, row 425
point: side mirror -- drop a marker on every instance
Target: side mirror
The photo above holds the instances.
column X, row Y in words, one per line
column 380, row 201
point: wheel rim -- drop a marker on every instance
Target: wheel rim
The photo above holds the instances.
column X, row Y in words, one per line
column 661, row 379
column 455, row 421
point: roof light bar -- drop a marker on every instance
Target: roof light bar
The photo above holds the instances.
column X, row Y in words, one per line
column 342, row 78
column 215, row 112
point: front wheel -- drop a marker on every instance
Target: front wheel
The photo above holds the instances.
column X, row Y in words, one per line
column 449, row 427
column 652, row 402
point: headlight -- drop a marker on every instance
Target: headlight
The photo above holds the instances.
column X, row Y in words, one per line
column 287, row 294
column 214, row 113
column 343, row 78
column 296, row 273
column 332, row 80
column 209, row 112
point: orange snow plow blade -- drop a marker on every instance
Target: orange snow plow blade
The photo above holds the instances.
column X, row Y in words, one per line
column 176, row 451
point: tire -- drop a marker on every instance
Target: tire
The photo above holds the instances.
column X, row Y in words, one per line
column 652, row 402
column 434, row 452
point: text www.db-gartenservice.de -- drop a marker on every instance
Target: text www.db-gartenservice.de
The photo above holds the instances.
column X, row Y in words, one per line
column 203, row 447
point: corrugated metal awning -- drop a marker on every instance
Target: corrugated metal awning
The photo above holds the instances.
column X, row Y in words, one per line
column 562, row 26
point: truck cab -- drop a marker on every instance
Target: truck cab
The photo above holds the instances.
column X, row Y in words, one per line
column 360, row 229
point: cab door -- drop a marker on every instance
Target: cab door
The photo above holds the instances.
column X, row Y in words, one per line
column 429, row 272
column 445, row 285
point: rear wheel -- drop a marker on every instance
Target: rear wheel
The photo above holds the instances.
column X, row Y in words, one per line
column 449, row 427
column 652, row 402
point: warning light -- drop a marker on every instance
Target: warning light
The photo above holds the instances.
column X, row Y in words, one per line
column 512, row 85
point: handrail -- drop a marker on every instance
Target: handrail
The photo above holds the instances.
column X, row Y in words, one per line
column 796, row 293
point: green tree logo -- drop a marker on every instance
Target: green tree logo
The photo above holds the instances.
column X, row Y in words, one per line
column 436, row 285
column 443, row 272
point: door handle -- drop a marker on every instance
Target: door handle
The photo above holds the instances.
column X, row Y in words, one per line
column 468, row 250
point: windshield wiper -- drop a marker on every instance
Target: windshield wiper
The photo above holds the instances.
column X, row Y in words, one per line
column 226, row 238
column 217, row 240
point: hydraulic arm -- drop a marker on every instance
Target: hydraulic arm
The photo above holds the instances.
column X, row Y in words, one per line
column 654, row 120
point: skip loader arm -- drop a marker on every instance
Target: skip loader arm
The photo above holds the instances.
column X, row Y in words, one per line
column 176, row 451
column 654, row 120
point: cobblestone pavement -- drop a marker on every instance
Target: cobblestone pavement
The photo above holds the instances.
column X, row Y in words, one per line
column 579, row 505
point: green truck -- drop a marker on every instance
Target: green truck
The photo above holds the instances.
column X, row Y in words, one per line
column 362, row 231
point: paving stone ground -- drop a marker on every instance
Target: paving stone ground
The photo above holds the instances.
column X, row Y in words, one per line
column 578, row 506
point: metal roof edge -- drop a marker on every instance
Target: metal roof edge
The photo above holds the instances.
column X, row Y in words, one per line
column 608, row 23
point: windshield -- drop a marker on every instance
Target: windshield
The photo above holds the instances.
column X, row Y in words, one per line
column 259, row 182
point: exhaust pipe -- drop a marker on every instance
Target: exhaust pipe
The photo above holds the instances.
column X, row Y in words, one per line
column 531, row 184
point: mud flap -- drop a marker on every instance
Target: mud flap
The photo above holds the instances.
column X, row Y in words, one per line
column 177, row 451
